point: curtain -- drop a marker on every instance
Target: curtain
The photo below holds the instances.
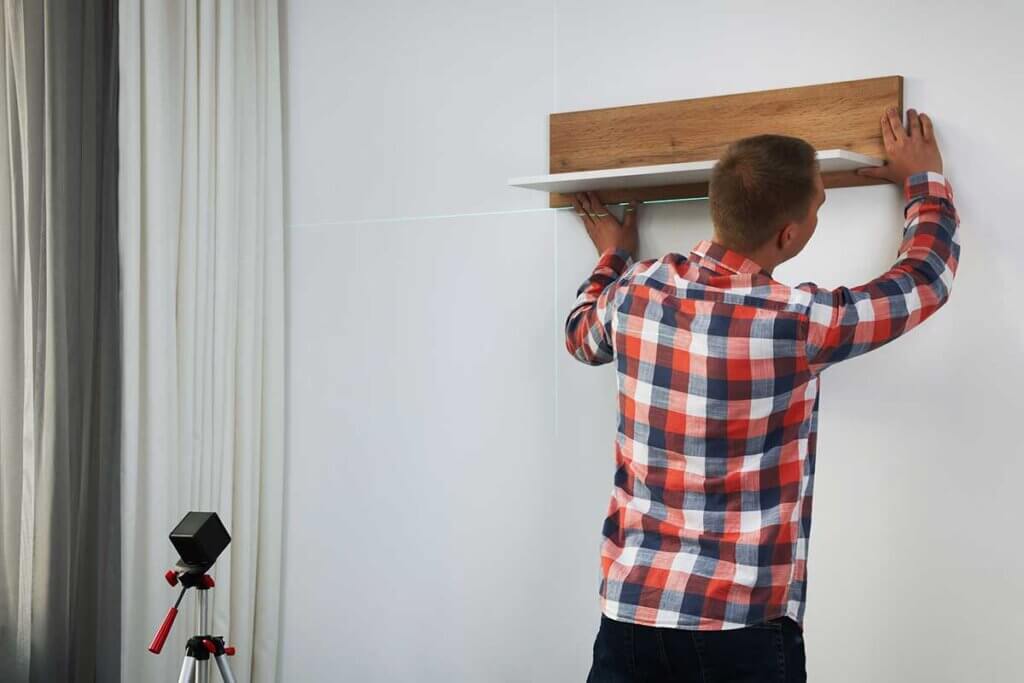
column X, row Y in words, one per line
column 59, row 342
column 202, row 271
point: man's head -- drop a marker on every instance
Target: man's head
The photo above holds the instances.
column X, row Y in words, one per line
column 765, row 192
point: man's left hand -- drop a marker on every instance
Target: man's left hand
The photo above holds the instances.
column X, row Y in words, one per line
column 606, row 232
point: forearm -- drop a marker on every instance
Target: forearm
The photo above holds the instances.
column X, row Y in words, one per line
column 588, row 335
column 931, row 243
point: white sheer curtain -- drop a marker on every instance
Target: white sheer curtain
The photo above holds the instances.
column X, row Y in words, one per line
column 202, row 263
column 59, row 351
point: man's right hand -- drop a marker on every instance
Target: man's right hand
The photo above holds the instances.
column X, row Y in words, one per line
column 910, row 151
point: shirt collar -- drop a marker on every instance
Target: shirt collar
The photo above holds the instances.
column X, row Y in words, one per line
column 718, row 258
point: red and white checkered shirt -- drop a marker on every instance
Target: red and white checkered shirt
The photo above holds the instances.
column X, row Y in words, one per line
column 718, row 367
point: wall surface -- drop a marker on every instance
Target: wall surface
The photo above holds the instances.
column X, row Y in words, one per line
column 450, row 465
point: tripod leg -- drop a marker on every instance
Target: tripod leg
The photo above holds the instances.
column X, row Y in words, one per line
column 188, row 671
column 225, row 669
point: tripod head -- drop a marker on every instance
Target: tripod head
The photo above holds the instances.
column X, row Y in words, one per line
column 199, row 538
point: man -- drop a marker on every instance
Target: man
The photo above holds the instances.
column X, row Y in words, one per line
column 705, row 542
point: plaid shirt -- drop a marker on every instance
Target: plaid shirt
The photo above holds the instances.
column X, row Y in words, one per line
column 717, row 368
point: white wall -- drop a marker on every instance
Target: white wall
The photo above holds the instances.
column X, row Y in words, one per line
column 450, row 465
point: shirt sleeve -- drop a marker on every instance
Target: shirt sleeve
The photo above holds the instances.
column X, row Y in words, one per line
column 847, row 322
column 588, row 329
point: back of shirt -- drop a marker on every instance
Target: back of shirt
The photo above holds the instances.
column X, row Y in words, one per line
column 718, row 366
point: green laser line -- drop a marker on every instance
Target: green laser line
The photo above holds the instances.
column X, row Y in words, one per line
column 479, row 213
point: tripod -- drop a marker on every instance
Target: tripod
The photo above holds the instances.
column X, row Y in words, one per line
column 202, row 647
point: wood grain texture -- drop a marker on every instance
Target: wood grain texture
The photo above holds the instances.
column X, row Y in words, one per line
column 841, row 115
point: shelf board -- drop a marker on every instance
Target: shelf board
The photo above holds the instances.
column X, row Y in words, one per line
column 830, row 161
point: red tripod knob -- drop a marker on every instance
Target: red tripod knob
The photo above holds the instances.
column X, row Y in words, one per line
column 229, row 651
column 172, row 577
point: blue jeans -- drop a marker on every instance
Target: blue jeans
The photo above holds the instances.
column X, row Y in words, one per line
column 770, row 652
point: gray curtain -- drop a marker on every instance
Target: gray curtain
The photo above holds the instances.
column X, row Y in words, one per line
column 59, row 342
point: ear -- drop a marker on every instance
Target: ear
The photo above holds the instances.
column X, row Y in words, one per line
column 786, row 236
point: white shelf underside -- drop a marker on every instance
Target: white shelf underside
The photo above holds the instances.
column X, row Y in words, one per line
column 830, row 160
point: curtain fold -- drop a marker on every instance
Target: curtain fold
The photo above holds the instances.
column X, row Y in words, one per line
column 201, row 238
column 59, row 342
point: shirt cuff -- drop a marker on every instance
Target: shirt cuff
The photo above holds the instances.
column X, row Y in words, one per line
column 616, row 259
column 927, row 184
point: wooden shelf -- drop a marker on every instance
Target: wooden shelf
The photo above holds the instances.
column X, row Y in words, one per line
column 829, row 160
column 666, row 150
